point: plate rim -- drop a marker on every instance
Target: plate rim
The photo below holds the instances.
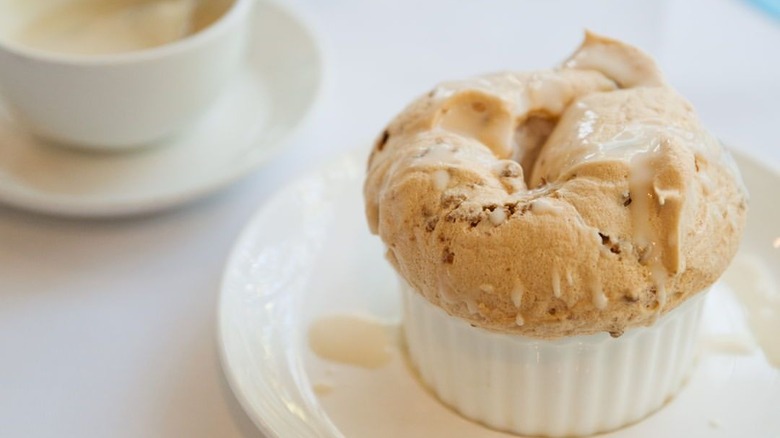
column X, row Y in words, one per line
column 235, row 254
column 250, row 228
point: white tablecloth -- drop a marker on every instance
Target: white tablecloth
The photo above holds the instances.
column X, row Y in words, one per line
column 107, row 328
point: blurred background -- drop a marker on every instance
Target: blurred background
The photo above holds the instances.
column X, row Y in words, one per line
column 723, row 55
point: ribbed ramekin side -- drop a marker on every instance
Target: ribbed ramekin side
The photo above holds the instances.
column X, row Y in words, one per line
column 576, row 386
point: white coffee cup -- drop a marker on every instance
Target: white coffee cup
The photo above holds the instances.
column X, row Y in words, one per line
column 116, row 100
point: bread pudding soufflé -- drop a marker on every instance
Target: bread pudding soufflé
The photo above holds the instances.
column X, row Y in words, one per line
column 555, row 233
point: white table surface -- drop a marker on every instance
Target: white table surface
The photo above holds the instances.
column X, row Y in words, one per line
column 107, row 328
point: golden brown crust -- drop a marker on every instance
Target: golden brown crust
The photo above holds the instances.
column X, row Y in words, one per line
column 623, row 207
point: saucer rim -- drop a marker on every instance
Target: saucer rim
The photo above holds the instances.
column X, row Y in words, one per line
column 24, row 198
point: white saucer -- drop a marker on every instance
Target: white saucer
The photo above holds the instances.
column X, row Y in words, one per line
column 268, row 101
column 318, row 259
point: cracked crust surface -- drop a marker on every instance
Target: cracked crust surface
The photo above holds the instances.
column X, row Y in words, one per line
column 571, row 201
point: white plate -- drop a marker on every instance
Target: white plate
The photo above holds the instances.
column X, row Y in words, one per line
column 270, row 98
column 308, row 253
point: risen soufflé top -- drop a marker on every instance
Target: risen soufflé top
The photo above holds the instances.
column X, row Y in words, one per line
column 583, row 199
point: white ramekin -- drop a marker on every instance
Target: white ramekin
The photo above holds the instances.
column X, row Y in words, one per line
column 579, row 385
column 118, row 100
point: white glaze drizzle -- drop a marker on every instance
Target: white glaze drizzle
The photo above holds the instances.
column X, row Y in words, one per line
column 662, row 195
column 556, row 282
column 642, row 194
column 598, row 297
column 472, row 307
column 659, row 276
column 441, row 179
column 487, row 288
column 517, row 295
column 546, row 206
column 497, row 216
column 586, row 126
column 640, row 184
